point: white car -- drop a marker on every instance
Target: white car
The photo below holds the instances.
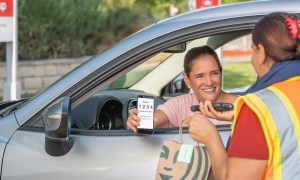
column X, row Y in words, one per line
column 76, row 128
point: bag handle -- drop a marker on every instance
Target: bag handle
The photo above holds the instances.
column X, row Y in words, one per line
column 180, row 133
column 180, row 141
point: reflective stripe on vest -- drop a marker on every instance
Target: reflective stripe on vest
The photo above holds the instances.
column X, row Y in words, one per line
column 288, row 157
column 281, row 127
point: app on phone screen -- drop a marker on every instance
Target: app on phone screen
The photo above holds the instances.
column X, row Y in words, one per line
column 145, row 107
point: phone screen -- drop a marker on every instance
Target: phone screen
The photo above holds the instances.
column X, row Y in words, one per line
column 146, row 110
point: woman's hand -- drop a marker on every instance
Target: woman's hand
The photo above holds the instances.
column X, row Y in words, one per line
column 133, row 121
column 200, row 128
column 208, row 110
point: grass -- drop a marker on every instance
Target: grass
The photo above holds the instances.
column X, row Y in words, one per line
column 238, row 75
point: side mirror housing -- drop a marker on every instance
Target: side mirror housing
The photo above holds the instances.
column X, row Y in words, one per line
column 58, row 127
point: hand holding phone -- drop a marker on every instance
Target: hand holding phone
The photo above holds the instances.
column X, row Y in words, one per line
column 145, row 106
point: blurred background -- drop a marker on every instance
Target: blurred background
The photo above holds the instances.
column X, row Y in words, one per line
column 55, row 36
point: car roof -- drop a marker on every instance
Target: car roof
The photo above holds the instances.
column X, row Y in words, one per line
column 226, row 11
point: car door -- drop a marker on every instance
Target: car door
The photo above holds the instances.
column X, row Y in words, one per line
column 104, row 156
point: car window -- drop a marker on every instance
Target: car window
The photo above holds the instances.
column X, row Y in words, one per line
column 130, row 78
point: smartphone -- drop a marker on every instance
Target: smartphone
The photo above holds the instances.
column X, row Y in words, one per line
column 219, row 106
column 145, row 106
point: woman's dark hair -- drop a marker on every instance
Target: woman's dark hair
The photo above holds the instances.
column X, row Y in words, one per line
column 196, row 52
column 272, row 32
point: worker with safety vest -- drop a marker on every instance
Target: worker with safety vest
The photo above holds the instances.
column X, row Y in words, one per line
column 278, row 110
column 265, row 138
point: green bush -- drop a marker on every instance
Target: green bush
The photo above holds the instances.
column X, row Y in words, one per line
column 73, row 28
column 69, row 28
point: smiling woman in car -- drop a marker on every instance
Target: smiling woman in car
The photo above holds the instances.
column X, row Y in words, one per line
column 203, row 74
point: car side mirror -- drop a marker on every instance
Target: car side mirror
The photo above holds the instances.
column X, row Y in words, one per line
column 57, row 122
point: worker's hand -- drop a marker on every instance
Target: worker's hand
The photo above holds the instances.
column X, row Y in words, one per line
column 200, row 128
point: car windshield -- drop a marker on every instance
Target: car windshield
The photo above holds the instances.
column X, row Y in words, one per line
column 133, row 76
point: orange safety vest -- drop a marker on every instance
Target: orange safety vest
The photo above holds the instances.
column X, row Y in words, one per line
column 278, row 110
